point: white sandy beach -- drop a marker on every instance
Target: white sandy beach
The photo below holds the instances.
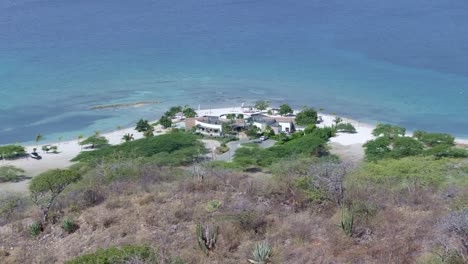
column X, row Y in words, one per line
column 67, row 151
column 344, row 144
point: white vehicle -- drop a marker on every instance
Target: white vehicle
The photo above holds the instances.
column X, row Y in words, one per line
column 263, row 138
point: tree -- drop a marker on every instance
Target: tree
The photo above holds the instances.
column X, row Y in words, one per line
column 387, row 130
column 377, row 149
column 345, row 127
column 306, row 117
column 262, row 105
column 165, row 121
column 173, row 111
column 231, row 116
column 189, row 112
column 142, row 126
column 38, row 138
column 406, row 146
column 95, row 141
column 337, row 120
column 128, row 137
column 45, row 148
column 10, row 173
column 285, row 109
column 434, row 139
column 11, row 151
column 54, row 149
column 240, row 116
column 46, row 187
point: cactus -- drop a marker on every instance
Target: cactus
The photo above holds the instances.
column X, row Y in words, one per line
column 207, row 237
column 261, row 253
column 347, row 221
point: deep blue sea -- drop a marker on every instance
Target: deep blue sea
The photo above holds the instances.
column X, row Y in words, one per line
column 400, row 61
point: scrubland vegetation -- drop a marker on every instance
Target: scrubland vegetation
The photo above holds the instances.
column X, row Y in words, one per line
column 158, row 200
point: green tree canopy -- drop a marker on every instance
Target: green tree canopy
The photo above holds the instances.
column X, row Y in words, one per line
column 10, row 173
column 128, row 137
column 95, row 141
column 306, row 117
column 345, row 127
column 45, row 188
column 405, row 147
column 165, row 121
column 378, row 148
column 387, row 130
column 262, row 105
column 143, row 126
column 434, row 139
column 285, row 109
column 11, row 151
column 189, row 112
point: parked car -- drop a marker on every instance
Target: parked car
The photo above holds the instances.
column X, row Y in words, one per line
column 263, row 138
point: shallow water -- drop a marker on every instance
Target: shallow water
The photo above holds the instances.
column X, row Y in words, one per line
column 404, row 62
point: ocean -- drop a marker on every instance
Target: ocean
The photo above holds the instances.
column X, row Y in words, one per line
column 401, row 62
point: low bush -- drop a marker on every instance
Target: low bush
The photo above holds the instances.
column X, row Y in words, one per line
column 125, row 254
column 69, row 225
column 10, row 173
column 213, row 206
column 307, row 145
column 35, row 229
column 11, row 151
column 172, row 148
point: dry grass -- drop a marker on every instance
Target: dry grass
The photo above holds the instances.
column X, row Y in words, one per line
column 254, row 208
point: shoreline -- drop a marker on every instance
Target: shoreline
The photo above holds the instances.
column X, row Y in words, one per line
column 348, row 144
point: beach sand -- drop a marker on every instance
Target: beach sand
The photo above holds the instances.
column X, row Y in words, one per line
column 67, row 151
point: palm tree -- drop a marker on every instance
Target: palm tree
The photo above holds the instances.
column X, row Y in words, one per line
column 38, row 138
column 128, row 137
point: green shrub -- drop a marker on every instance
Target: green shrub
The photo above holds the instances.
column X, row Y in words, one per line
column 182, row 147
column 446, row 151
column 11, row 151
column 10, row 173
column 69, row 225
column 396, row 175
column 434, row 139
column 306, row 117
column 390, row 131
column 35, row 229
column 345, row 127
column 377, row 149
column 307, row 145
column 95, row 141
column 406, row 146
column 261, row 253
column 112, row 255
column 213, row 206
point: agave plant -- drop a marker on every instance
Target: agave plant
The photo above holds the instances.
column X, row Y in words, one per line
column 207, row 236
column 261, row 253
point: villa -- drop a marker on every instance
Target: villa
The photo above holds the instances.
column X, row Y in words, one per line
column 277, row 124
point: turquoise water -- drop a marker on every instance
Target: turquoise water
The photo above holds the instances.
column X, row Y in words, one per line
column 390, row 61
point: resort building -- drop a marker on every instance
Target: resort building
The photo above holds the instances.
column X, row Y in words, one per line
column 277, row 124
column 209, row 125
